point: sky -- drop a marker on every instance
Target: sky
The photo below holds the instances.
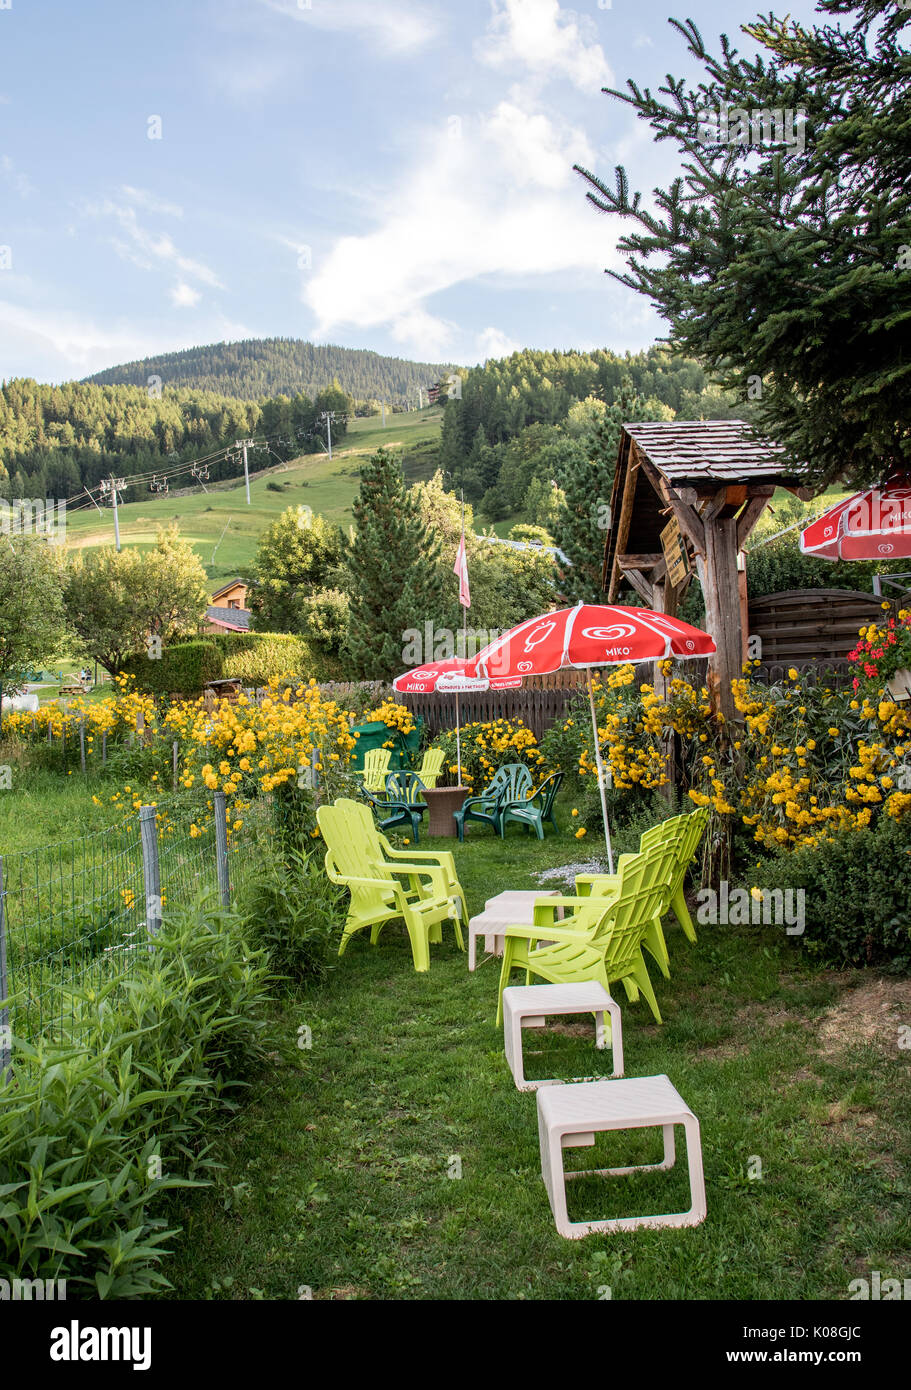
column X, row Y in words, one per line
column 385, row 174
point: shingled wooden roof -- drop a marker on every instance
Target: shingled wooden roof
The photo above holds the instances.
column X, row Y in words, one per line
column 689, row 452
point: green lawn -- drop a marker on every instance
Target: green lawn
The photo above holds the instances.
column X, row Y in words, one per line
column 337, row 1174
column 224, row 531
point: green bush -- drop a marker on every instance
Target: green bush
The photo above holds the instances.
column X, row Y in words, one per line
column 293, row 910
column 182, row 669
column 257, row 657
column 254, row 658
column 858, row 894
column 98, row 1128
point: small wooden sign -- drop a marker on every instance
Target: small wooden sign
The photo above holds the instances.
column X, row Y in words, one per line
column 675, row 553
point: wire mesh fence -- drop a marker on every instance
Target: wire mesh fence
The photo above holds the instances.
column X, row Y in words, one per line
column 82, row 911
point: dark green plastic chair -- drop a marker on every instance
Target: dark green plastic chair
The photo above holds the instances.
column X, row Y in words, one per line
column 533, row 811
column 402, row 803
column 509, row 782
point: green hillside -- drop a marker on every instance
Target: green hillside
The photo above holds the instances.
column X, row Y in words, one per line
column 257, row 367
column 224, row 531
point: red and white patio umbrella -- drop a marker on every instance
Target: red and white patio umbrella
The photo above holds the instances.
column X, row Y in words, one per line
column 424, row 680
column 871, row 525
column 586, row 637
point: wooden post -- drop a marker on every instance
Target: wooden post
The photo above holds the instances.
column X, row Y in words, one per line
column 82, row 743
column 174, row 764
column 722, row 609
column 744, row 598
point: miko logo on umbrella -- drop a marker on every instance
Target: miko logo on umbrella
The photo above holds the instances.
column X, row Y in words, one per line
column 608, row 634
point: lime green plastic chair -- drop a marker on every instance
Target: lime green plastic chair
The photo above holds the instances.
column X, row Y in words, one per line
column 431, row 767
column 381, row 851
column 429, row 895
column 686, row 831
column 376, row 768
column 601, row 940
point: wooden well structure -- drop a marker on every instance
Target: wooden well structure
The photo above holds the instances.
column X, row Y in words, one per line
column 686, row 497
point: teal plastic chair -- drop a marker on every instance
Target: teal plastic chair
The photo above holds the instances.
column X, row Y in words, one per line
column 535, row 810
column 402, row 804
column 509, row 783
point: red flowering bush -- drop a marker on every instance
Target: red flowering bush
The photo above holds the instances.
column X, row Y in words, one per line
column 882, row 649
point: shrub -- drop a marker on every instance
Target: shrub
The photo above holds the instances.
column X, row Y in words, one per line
column 182, row 669
column 258, row 657
column 487, row 747
column 293, row 910
column 858, row 891
column 99, row 1127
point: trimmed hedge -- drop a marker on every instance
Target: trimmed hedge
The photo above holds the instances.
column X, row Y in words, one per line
column 251, row 657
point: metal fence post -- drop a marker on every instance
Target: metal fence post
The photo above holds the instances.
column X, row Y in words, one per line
column 151, row 875
column 174, row 749
column 82, row 743
column 221, row 849
column 5, row 1039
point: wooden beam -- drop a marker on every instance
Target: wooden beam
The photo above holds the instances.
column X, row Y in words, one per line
column 626, row 516
column 751, row 513
column 687, row 517
column 643, row 588
column 639, row 562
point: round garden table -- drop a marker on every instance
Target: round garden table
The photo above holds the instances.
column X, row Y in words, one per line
column 441, row 802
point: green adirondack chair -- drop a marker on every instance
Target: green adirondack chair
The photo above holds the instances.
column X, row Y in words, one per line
column 601, row 939
column 402, row 804
column 376, row 769
column 423, row 900
column 534, row 810
column 509, row 783
column 431, row 767
column 687, row 831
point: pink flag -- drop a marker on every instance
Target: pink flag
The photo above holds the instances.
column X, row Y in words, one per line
column 461, row 569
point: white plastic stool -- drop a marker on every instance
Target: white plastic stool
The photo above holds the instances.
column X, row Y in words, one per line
column 528, row 1006
column 570, row 1116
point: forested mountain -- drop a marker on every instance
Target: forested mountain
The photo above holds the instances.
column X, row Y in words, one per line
column 519, row 418
column 56, row 440
column 259, row 367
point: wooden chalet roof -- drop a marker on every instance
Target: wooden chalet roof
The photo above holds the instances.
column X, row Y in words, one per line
column 677, row 466
column 690, row 452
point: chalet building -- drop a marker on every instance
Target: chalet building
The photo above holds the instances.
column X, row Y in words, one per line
column 228, row 611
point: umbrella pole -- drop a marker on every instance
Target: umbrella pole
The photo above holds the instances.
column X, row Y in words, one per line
column 591, row 701
column 458, row 741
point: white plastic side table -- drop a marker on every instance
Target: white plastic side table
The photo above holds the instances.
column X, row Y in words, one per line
column 528, row 1006
column 571, row 1116
column 513, row 908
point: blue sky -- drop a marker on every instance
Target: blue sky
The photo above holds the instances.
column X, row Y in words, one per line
column 391, row 174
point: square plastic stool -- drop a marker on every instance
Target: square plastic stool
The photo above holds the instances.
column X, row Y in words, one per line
column 527, row 1006
column 571, row 1116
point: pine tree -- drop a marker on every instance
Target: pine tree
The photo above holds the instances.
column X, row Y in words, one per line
column 395, row 576
column 781, row 256
column 586, row 479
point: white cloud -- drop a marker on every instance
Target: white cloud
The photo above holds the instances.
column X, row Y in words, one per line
column 545, row 39
column 146, row 249
column 395, row 25
column 423, row 335
column 493, row 342
column 499, row 200
column 141, row 197
column 20, row 182
column 184, row 296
